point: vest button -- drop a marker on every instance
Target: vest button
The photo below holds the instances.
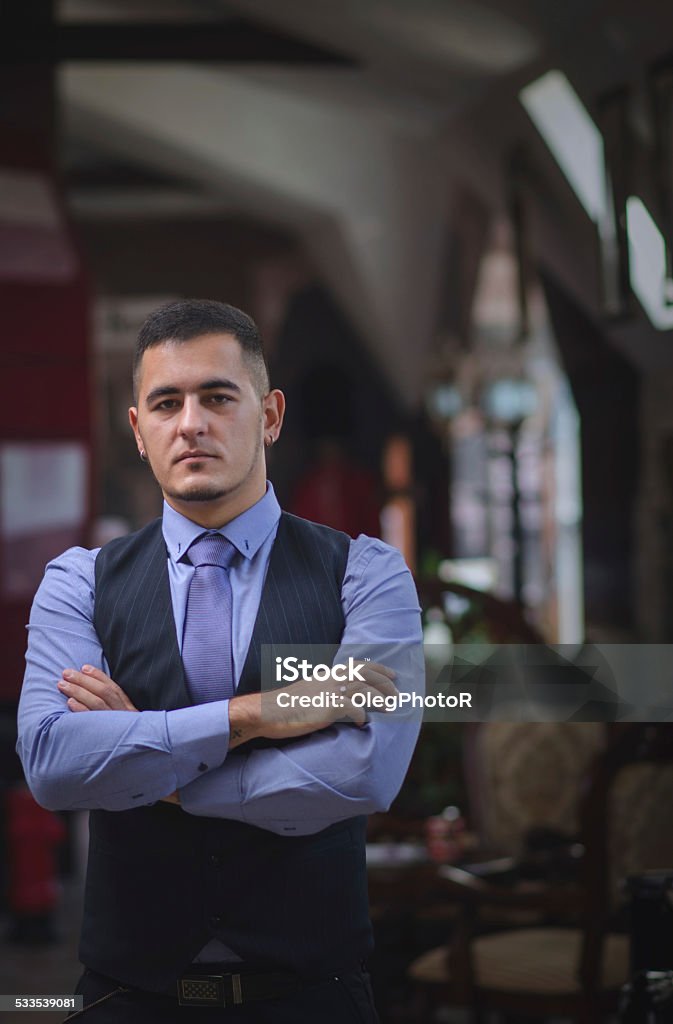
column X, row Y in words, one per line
column 216, row 859
column 216, row 920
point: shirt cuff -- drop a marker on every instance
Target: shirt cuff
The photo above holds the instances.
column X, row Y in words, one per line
column 217, row 794
column 198, row 738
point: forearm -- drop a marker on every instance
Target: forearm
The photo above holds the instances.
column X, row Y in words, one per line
column 310, row 783
column 117, row 760
column 114, row 760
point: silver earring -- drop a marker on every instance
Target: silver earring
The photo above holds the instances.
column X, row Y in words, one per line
column 268, row 441
column 143, row 454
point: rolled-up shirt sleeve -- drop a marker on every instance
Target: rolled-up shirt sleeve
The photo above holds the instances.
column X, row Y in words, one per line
column 342, row 771
column 113, row 760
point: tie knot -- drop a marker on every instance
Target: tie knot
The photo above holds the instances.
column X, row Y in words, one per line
column 212, row 549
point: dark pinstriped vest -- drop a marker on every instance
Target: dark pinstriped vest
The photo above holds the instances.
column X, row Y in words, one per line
column 161, row 882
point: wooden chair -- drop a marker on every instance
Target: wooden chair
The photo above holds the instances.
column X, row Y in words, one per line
column 526, row 776
column 557, row 969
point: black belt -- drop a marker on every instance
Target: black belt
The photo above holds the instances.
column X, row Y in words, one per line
column 231, row 989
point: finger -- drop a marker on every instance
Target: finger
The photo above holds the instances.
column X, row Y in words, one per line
column 373, row 705
column 74, row 705
column 111, row 692
column 371, row 676
column 358, row 716
column 96, row 682
column 378, row 667
column 91, row 701
column 91, row 672
column 378, row 680
column 86, row 680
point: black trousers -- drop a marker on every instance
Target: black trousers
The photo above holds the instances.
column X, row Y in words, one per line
column 343, row 999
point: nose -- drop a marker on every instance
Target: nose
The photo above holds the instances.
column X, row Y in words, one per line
column 192, row 421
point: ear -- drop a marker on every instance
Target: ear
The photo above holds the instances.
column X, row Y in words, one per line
column 273, row 406
column 133, row 420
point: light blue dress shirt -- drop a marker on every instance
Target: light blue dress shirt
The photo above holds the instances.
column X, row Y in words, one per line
column 116, row 760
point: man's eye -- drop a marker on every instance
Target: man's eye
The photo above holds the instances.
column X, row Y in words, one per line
column 168, row 403
column 219, row 399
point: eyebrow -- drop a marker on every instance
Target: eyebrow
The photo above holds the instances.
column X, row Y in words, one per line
column 207, row 385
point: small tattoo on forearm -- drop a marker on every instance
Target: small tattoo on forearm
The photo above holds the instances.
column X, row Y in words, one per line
column 236, row 733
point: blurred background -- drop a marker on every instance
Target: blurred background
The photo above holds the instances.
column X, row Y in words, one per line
column 453, row 222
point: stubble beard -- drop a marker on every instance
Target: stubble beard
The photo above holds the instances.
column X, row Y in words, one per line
column 214, row 492
column 199, row 494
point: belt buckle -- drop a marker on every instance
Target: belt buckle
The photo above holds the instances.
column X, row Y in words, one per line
column 202, row 990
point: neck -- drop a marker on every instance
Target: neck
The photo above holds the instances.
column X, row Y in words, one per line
column 212, row 515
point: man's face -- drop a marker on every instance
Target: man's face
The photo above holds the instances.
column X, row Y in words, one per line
column 203, row 424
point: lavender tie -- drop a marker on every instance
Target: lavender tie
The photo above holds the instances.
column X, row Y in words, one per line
column 206, row 643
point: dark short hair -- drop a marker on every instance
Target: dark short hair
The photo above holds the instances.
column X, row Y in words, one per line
column 190, row 318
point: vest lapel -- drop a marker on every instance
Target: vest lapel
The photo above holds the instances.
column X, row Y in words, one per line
column 290, row 607
column 142, row 649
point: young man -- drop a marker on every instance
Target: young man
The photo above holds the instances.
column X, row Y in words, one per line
column 226, row 859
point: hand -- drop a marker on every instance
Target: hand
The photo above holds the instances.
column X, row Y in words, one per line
column 260, row 714
column 92, row 690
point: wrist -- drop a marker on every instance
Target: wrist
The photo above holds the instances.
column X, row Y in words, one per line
column 244, row 718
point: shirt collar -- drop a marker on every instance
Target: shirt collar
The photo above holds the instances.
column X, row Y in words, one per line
column 246, row 532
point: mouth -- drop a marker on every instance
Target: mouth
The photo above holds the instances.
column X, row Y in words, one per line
column 195, row 456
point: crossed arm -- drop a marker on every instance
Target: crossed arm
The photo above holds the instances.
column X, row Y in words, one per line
column 123, row 758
